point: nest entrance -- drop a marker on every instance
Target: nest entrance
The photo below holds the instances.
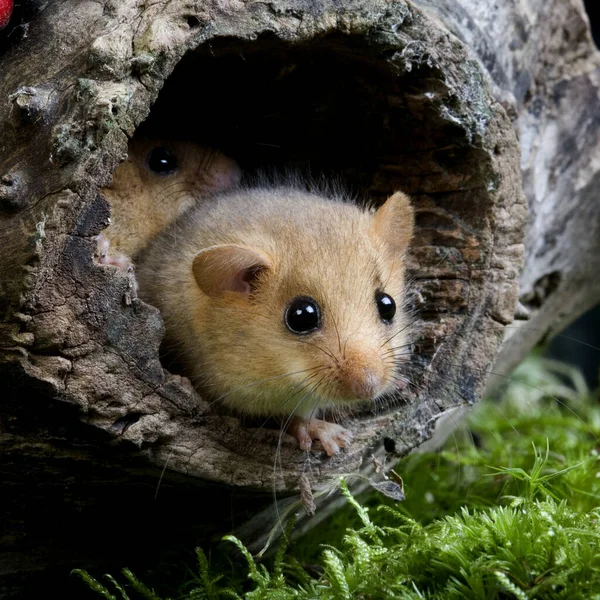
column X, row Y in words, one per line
column 343, row 108
column 331, row 107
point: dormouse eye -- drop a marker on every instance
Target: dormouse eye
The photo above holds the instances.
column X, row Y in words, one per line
column 386, row 306
column 162, row 161
column 303, row 315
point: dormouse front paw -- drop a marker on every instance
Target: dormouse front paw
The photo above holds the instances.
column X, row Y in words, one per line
column 106, row 257
column 332, row 436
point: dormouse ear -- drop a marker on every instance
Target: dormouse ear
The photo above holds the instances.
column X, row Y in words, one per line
column 227, row 268
column 394, row 222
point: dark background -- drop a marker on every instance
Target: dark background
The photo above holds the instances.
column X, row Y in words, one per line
column 593, row 9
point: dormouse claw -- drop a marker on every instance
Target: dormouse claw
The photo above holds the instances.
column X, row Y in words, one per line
column 332, row 436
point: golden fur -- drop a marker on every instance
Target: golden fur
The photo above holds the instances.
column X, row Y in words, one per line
column 144, row 202
column 234, row 342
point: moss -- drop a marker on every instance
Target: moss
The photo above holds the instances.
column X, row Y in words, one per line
column 508, row 509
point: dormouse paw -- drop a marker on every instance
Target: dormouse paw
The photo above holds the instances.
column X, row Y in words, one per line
column 122, row 262
column 332, row 436
column 105, row 256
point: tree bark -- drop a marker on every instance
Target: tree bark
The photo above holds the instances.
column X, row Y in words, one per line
column 545, row 70
column 388, row 95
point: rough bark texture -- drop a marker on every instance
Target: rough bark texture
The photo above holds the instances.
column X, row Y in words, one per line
column 546, row 71
column 383, row 93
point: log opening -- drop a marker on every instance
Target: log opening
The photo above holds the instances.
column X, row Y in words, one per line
column 377, row 119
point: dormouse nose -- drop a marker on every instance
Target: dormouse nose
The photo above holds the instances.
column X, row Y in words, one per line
column 365, row 385
column 362, row 374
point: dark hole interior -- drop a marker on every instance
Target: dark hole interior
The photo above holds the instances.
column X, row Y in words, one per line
column 333, row 108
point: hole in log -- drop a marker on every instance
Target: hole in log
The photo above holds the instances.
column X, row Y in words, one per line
column 340, row 108
column 192, row 21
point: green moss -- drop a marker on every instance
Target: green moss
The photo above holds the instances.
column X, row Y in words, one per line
column 508, row 509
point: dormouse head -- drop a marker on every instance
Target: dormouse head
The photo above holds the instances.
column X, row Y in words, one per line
column 306, row 313
column 162, row 161
column 167, row 160
column 171, row 172
column 159, row 180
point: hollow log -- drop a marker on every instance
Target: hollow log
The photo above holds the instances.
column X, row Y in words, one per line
column 109, row 459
